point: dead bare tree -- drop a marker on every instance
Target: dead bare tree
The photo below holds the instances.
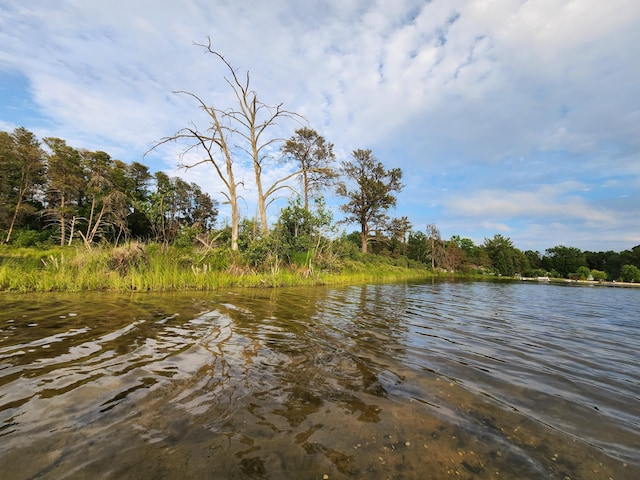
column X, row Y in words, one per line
column 244, row 128
column 214, row 142
column 252, row 120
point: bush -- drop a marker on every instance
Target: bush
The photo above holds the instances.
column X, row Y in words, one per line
column 126, row 256
column 218, row 258
column 630, row 273
column 30, row 238
column 346, row 249
column 584, row 273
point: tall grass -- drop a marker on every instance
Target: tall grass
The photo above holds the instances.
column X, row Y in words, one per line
column 141, row 267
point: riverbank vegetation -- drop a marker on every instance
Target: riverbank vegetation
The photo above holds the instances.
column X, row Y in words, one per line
column 122, row 228
column 135, row 266
column 76, row 219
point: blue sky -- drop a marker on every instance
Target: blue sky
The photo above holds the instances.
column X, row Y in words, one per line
column 506, row 116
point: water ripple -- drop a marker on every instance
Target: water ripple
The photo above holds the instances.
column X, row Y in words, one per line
column 532, row 378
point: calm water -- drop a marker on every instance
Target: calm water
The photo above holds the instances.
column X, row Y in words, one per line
column 464, row 380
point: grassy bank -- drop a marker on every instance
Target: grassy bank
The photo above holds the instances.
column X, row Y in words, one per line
column 140, row 267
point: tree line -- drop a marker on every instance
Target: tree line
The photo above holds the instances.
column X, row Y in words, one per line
column 51, row 191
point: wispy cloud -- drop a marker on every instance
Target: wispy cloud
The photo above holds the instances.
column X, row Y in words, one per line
column 551, row 202
column 492, row 108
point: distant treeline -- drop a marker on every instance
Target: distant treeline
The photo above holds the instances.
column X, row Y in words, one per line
column 54, row 194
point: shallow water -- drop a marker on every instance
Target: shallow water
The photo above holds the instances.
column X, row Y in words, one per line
column 468, row 380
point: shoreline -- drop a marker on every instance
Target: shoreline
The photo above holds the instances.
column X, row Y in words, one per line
column 595, row 283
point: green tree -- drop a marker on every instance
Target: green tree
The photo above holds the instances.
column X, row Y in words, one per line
column 66, row 179
column 302, row 233
column 436, row 248
column 631, row 257
column 505, row 258
column 135, row 180
column 399, row 229
column 609, row 262
column 175, row 205
column 534, row 258
column 157, row 208
column 630, row 273
column 105, row 207
column 314, row 157
column 583, row 272
column 564, row 260
column 465, row 244
column 369, row 189
column 22, row 169
column 417, row 247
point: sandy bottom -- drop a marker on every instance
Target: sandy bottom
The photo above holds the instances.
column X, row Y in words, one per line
column 297, row 434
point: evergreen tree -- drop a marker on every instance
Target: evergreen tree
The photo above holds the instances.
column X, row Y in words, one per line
column 369, row 189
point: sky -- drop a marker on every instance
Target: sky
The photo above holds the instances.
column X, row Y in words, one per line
column 511, row 117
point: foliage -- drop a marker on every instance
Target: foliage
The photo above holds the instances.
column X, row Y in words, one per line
column 417, row 247
column 31, row 238
column 369, row 189
column 66, row 180
column 22, row 170
column 564, row 260
column 297, row 239
column 314, row 157
column 630, row 273
column 505, row 258
column 583, row 273
column 176, row 209
column 144, row 231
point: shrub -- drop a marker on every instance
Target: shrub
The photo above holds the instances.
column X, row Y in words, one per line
column 584, row 273
column 126, row 256
column 30, row 238
column 630, row 273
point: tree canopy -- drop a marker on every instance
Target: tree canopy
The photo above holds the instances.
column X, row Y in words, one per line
column 314, row 157
column 62, row 194
column 369, row 189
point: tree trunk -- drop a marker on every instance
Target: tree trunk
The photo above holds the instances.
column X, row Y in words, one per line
column 262, row 205
column 364, row 237
column 73, row 226
column 433, row 254
column 305, row 183
column 62, row 221
column 13, row 220
column 233, row 192
column 21, row 195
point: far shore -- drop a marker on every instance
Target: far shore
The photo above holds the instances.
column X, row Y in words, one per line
column 599, row 283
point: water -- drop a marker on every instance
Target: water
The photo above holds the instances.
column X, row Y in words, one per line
column 467, row 380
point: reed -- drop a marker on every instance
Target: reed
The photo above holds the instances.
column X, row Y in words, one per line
column 150, row 267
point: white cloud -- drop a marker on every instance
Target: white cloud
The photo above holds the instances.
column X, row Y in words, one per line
column 550, row 202
column 442, row 87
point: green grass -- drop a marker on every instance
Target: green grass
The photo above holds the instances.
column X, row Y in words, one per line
column 141, row 267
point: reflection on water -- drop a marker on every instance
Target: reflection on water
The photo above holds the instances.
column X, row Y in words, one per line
column 444, row 380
